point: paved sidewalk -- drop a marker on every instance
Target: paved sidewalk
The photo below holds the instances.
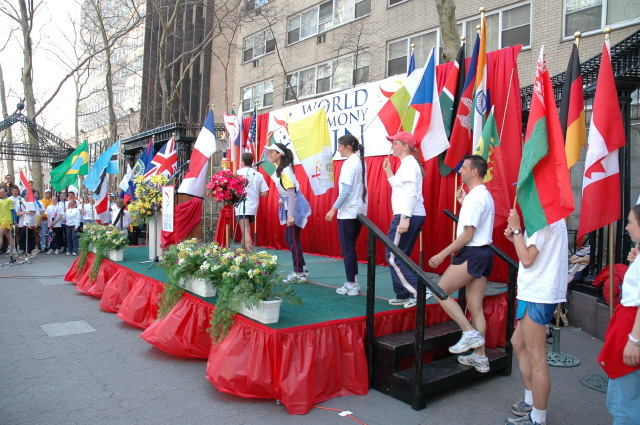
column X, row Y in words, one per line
column 111, row 376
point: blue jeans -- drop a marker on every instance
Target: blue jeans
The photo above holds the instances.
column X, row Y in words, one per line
column 44, row 229
column 623, row 398
column 404, row 281
column 292, row 236
column 72, row 239
column 349, row 230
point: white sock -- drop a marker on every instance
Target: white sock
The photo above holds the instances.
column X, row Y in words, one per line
column 528, row 397
column 469, row 332
column 538, row 416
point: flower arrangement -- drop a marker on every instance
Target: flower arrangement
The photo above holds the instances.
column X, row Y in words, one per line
column 149, row 195
column 240, row 278
column 226, row 187
column 103, row 239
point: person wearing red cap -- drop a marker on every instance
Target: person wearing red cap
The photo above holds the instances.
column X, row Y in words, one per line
column 409, row 215
column 472, row 263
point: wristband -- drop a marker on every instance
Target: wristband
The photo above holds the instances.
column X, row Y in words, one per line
column 402, row 217
column 634, row 340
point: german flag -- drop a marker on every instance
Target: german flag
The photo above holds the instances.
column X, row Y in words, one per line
column 572, row 118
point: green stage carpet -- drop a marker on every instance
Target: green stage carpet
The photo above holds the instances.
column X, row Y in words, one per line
column 321, row 303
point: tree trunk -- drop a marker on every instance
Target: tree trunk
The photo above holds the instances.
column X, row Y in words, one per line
column 448, row 29
column 5, row 115
column 26, row 17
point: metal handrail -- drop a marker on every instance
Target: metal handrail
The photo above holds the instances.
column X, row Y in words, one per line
column 423, row 282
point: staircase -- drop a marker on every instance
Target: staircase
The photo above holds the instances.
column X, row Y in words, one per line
column 391, row 353
column 393, row 368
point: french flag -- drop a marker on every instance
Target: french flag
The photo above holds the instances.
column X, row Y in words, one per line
column 195, row 179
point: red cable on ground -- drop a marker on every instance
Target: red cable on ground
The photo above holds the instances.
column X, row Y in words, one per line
column 340, row 410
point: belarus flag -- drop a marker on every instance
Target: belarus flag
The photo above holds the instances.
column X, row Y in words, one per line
column 194, row 180
column 544, row 189
column 601, row 182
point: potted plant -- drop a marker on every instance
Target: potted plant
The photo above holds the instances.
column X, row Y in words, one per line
column 182, row 264
column 148, row 206
column 249, row 284
column 113, row 242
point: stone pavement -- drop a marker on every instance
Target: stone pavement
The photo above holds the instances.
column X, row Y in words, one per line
column 104, row 373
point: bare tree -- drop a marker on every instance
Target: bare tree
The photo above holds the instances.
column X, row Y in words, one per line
column 8, row 133
column 448, row 29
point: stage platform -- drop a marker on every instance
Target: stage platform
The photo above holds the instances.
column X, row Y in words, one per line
column 314, row 353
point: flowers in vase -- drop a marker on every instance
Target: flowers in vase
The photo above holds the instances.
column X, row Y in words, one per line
column 226, row 187
column 149, row 197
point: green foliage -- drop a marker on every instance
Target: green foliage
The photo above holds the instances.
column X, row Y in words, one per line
column 168, row 299
column 103, row 239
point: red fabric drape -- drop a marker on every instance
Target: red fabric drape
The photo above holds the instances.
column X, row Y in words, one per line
column 140, row 306
column 321, row 238
column 116, row 290
column 221, row 228
column 186, row 217
column 183, row 332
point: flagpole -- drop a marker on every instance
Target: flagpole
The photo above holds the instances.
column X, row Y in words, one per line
column 607, row 32
column 255, row 148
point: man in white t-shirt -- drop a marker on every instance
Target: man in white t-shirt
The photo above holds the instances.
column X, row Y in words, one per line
column 542, row 284
column 472, row 264
column 247, row 209
column 27, row 212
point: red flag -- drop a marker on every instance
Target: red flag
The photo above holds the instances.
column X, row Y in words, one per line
column 544, row 189
column 461, row 134
column 25, row 183
column 601, row 182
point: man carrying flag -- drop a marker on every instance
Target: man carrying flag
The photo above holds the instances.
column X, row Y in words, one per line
column 76, row 164
column 545, row 197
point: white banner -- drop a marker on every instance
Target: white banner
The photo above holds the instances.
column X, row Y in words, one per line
column 168, row 193
column 353, row 111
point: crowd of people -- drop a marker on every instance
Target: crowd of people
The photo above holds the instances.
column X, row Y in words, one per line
column 50, row 224
column 542, row 274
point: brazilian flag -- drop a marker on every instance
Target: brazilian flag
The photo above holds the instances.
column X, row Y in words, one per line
column 77, row 164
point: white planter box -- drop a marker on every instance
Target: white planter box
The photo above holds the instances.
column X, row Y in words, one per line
column 199, row 287
column 116, row 255
column 155, row 235
column 266, row 311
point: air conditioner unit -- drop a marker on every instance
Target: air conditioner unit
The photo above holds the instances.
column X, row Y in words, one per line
column 321, row 38
column 256, row 63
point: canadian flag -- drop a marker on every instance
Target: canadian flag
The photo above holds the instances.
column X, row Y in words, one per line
column 601, row 182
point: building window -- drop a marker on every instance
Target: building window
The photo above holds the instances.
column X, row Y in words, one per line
column 394, row 2
column 325, row 16
column 258, row 45
column 593, row 15
column 399, row 52
column 506, row 27
column 260, row 92
column 337, row 74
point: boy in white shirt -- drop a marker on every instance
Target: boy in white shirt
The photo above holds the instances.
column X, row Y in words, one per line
column 72, row 217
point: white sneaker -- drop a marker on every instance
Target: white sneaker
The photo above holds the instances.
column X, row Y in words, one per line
column 343, row 289
column 50, row 252
column 305, row 272
column 410, row 303
column 467, row 342
column 56, row 252
column 68, row 253
column 481, row 363
column 294, row 277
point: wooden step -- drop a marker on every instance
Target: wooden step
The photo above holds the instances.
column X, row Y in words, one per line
column 435, row 336
column 440, row 375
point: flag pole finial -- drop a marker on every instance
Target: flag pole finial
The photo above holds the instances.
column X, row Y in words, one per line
column 212, row 106
column 413, row 46
column 482, row 10
column 607, row 31
column 577, row 36
column 478, row 28
column 462, row 40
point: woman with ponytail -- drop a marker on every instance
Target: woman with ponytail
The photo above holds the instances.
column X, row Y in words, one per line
column 293, row 210
column 409, row 215
column 352, row 200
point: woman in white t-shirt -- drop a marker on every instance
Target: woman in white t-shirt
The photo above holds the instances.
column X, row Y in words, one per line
column 409, row 214
column 87, row 210
column 247, row 208
column 352, row 200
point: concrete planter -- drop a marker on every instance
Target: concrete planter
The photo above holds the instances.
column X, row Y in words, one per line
column 266, row 312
